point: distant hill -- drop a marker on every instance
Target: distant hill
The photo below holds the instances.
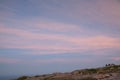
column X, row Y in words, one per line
column 109, row 72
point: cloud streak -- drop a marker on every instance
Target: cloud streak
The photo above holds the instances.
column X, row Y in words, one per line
column 100, row 11
column 116, row 58
column 9, row 60
column 63, row 43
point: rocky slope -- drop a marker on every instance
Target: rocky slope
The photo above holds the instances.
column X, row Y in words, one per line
column 109, row 72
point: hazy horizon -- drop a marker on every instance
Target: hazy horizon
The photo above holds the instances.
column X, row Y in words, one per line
column 46, row 36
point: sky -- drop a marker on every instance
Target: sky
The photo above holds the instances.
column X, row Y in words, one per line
column 45, row 36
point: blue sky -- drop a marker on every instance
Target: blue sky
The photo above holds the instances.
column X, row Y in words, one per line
column 44, row 36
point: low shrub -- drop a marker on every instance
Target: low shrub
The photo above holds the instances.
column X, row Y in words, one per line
column 22, row 78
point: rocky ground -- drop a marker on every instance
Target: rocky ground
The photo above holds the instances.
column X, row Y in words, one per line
column 111, row 72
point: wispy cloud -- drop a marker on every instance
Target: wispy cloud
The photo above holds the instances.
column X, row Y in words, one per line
column 62, row 43
column 49, row 61
column 63, row 60
column 9, row 60
column 100, row 11
column 56, row 26
column 116, row 58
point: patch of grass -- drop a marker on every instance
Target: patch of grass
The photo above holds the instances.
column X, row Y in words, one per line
column 91, row 70
column 22, row 78
column 37, row 76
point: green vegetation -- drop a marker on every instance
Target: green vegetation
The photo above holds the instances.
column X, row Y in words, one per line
column 102, row 70
column 91, row 70
column 22, row 78
column 36, row 76
column 108, row 69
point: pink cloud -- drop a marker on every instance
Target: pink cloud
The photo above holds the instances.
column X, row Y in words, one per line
column 56, row 26
column 62, row 60
column 98, row 42
column 105, row 12
column 26, row 39
column 116, row 58
column 9, row 60
column 76, row 43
